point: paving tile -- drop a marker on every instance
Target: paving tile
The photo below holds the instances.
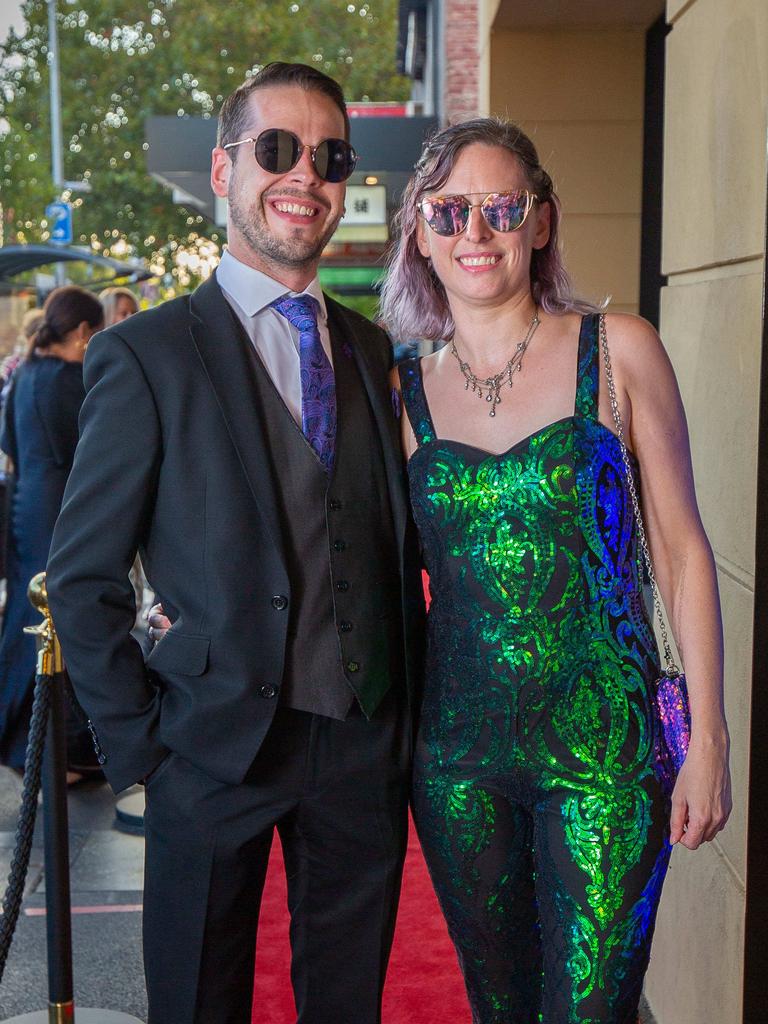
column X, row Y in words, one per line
column 10, row 799
column 107, row 861
column 34, row 871
column 106, row 960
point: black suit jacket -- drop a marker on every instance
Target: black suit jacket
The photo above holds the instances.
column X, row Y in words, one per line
column 172, row 461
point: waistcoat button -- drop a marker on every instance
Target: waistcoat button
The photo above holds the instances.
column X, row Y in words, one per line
column 342, row 586
column 268, row 690
column 335, row 505
column 353, row 666
column 345, row 627
column 279, row 603
column 339, row 545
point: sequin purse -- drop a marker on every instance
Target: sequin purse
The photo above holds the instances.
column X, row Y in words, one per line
column 671, row 693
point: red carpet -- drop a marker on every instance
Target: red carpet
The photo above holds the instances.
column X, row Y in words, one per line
column 423, row 984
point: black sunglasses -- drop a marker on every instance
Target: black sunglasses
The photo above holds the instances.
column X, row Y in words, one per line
column 278, row 151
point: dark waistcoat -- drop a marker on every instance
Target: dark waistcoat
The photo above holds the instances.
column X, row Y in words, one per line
column 345, row 634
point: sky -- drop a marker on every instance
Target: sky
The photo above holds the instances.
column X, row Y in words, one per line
column 10, row 17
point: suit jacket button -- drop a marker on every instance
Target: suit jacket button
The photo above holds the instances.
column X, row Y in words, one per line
column 279, row 603
column 353, row 666
column 339, row 545
column 268, row 690
column 342, row 586
column 335, row 505
column 345, row 627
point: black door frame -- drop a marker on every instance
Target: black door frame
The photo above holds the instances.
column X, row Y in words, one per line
column 651, row 278
column 755, row 944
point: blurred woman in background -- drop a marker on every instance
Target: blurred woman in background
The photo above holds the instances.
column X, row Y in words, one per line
column 39, row 435
column 30, row 325
column 118, row 304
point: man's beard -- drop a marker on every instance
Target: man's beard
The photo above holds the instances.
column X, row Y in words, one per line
column 294, row 251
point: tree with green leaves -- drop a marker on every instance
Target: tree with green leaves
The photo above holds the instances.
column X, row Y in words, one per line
column 123, row 60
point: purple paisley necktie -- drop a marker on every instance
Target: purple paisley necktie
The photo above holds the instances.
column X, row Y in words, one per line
column 318, row 385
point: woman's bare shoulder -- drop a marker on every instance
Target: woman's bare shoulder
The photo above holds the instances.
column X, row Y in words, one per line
column 630, row 330
column 635, row 346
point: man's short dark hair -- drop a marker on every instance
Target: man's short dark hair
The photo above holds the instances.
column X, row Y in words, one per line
column 234, row 111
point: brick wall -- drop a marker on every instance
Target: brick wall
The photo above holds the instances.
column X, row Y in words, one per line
column 462, row 59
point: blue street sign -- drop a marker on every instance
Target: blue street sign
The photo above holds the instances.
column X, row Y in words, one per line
column 60, row 222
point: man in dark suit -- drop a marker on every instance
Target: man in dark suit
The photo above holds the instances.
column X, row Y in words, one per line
column 243, row 440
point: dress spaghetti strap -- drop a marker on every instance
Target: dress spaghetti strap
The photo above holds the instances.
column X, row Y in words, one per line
column 415, row 402
column 588, row 373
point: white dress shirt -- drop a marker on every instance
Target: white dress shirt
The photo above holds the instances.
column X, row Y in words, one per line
column 249, row 293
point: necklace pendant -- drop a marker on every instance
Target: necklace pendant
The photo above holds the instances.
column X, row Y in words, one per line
column 490, row 387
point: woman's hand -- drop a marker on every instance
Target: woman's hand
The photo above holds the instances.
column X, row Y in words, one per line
column 159, row 624
column 701, row 801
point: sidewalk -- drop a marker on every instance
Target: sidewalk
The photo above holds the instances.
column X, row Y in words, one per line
column 106, row 878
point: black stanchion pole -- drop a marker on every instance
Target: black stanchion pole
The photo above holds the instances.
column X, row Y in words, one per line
column 61, row 1004
column 56, row 838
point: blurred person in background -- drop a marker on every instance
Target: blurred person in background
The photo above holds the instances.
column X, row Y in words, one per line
column 119, row 304
column 30, row 324
column 39, row 435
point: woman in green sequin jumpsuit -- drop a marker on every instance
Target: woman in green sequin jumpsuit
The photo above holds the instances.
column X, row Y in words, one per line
column 543, row 794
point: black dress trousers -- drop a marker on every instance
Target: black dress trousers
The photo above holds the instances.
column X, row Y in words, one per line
column 337, row 791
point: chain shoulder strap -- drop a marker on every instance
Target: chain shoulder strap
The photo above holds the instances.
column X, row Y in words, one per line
column 671, row 666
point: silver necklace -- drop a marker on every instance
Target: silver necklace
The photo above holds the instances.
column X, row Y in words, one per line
column 490, row 387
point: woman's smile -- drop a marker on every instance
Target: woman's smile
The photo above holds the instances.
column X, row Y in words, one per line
column 478, row 261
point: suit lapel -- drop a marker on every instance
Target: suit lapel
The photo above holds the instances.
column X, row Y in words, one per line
column 224, row 355
column 381, row 404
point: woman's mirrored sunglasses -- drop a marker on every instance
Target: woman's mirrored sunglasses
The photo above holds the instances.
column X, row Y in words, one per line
column 503, row 211
column 278, row 151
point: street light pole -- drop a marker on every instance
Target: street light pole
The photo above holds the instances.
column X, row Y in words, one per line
column 55, row 90
column 57, row 166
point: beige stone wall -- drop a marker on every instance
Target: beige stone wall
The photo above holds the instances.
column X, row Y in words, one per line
column 579, row 94
column 714, row 217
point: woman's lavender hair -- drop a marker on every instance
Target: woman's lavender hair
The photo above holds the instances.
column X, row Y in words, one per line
column 413, row 301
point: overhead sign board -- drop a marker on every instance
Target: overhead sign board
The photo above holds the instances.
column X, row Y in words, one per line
column 377, row 109
column 60, row 222
column 365, row 204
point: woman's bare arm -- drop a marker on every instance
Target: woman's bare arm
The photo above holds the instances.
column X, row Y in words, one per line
column 657, row 432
